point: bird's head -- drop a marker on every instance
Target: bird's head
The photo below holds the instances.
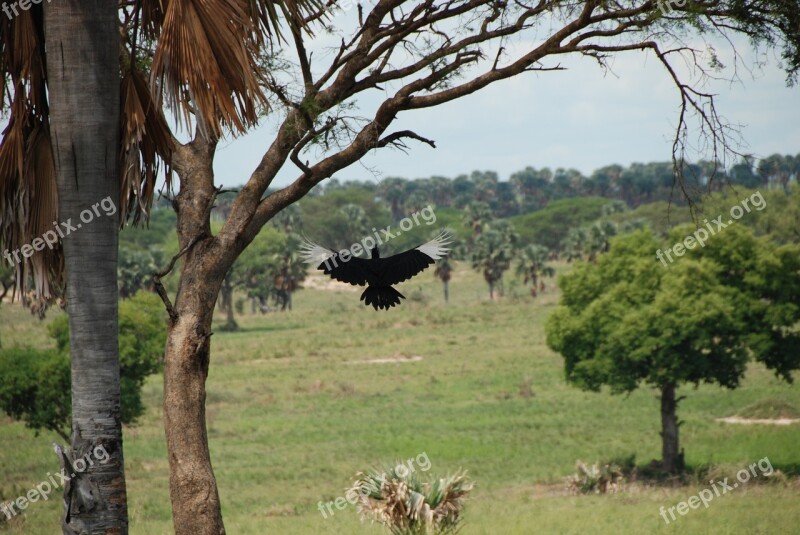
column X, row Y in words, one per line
column 375, row 253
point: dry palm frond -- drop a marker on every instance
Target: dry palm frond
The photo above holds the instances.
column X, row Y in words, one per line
column 145, row 140
column 43, row 201
column 206, row 60
column 205, row 64
column 406, row 506
column 29, row 197
column 28, row 188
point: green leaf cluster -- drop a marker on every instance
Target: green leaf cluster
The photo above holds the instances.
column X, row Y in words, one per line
column 36, row 386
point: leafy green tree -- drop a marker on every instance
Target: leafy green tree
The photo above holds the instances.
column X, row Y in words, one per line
column 627, row 320
column 270, row 267
column 550, row 225
column 742, row 174
column 135, row 269
column 357, row 223
column 36, row 386
column 290, row 219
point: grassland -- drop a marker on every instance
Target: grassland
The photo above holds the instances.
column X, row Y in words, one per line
column 293, row 414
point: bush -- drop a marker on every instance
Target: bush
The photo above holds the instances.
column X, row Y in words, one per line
column 36, row 386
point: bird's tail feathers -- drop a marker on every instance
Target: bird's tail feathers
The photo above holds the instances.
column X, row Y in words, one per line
column 381, row 297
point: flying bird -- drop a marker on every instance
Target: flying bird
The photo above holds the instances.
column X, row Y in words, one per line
column 379, row 274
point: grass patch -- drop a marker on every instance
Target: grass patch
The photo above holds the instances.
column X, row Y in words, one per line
column 290, row 422
column 770, row 409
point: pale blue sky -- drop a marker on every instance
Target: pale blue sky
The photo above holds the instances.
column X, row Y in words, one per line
column 582, row 118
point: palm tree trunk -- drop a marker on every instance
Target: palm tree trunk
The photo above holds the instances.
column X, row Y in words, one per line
column 446, row 292
column 82, row 41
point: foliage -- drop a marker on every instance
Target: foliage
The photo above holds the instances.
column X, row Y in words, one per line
column 407, row 506
column 135, row 269
column 629, row 320
column 325, row 216
column 550, row 225
column 532, row 264
column 492, row 252
column 270, row 267
column 36, row 383
column 6, row 280
column 779, row 219
column 36, row 388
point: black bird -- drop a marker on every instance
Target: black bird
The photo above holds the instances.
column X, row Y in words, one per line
column 379, row 274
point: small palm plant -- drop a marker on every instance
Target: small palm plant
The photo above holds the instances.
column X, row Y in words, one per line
column 598, row 478
column 408, row 506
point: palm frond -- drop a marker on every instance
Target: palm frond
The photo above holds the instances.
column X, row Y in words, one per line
column 28, row 188
column 205, row 63
column 407, row 506
column 145, row 142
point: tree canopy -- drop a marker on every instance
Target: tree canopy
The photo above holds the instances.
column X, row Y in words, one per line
column 628, row 320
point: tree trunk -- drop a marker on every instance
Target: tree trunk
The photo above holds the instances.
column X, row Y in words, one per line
column 193, row 487
column 446, row 293
column 227, row 305
column 82, row 41
column 670, row 458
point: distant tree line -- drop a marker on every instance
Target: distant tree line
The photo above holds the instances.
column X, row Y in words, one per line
column 532, row 189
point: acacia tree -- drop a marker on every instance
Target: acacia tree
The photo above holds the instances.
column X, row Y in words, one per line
column 210, row 66
column 627, row 320
column 422, row 55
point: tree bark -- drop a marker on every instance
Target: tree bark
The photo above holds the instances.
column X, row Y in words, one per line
column 206, row 261
column 193, row 487
column 670, row 458
column 227, row 305
column 82, row 42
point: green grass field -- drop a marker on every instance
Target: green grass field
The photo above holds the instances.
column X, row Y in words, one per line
column 293, row 415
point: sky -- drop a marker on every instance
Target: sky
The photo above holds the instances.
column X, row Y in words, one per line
column 581, row 118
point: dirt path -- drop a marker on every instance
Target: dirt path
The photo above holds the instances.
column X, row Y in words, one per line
column 758, row 421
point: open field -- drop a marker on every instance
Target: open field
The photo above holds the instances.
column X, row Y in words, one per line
column 292, row 415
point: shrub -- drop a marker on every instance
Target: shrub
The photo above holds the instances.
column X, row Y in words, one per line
column 36, row 386
column 407, row 506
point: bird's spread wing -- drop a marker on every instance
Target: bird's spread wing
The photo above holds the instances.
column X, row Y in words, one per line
column 405, row 265
column 313, row 253
column 353, row 271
